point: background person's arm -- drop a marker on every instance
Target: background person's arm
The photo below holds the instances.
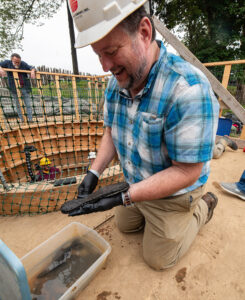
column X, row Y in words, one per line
column 2, row 72
column 25, row 66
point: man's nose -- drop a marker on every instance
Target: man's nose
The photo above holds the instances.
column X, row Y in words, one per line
column 106, row 63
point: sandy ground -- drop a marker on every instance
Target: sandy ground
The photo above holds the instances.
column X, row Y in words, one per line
column 214, row 267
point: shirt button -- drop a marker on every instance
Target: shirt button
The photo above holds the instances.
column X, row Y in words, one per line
column 129, row 162
column 131, row 121
column 129, row 143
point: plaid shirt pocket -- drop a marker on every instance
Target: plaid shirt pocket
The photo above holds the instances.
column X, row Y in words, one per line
column 148, row 136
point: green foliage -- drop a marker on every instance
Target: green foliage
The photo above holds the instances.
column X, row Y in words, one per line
column 212, row 30
column 15, row 14
column 232, row 90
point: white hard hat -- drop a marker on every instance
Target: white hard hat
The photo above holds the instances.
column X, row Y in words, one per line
column 94, row 19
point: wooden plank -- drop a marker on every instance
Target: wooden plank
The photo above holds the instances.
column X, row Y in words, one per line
column 74, row 89
column 226, row 76
column 4, row 160
column 225, row 81
column 40, row 91
column 223, row 93
column 59, row 74
column 223, row 63
column 102, row 99
column 17, row 85
column 90, row 98
column 242, row 136
column 69, row 75
column 2, row 119
column 96, row 92
column 59, row 96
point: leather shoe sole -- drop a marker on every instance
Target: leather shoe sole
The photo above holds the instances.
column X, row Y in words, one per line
column 211, row 201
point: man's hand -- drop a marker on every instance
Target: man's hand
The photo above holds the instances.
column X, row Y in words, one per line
column 101, row 205
column 88, row 185
column 2, row 72
column 33, row 74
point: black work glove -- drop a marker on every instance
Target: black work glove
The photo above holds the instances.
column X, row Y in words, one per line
column 100, row 205
column 88, row 185
column 104, row 198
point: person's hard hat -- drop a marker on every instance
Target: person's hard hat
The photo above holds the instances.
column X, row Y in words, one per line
column 95, row 19
column 45, row 161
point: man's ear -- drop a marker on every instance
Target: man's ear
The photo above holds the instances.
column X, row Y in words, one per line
column 145, row 31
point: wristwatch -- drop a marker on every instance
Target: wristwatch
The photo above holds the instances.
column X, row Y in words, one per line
column 127, row 202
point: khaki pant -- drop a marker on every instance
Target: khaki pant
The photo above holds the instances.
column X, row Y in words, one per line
column 170, row 226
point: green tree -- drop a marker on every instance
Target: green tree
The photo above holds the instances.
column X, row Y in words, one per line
column 212, row 30
column 14, row 14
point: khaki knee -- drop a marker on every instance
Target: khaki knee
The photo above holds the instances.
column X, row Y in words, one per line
column 127, row 228
column 123, row 227
column 159, row 262
column 128, row 219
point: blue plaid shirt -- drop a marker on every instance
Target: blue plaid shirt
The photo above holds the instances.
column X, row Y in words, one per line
column 174, row 117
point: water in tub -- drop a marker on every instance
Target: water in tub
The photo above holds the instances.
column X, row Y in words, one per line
column 68, row 265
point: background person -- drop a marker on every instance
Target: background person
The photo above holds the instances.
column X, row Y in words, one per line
column 24, row 82
column 161, row 118
column 235, row 188
column 221, row 145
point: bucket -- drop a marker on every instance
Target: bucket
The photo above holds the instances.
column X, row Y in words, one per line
column 224, row 126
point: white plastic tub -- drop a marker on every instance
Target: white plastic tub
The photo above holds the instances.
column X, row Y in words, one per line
column 39, row 258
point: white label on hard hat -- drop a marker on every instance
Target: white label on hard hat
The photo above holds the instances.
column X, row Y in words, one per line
column 81, row 12
column 111, row 11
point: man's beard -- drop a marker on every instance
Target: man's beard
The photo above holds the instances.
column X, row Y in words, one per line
column 135, row 79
